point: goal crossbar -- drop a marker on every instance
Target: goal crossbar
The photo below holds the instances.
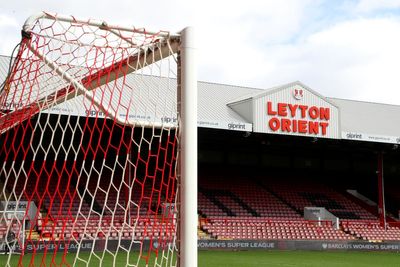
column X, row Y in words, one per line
column 29, row 23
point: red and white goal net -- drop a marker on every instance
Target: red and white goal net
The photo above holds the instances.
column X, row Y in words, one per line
column 89, row 135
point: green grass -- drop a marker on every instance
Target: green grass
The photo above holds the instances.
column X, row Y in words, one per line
column 242, row 259
column 297, row 258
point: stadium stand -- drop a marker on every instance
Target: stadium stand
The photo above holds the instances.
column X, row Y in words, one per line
column 229, row 208
column 235, row 207
column 272, row 229
column 63, row 216
column 313, row 194
column 3, row 230
column 371, row 231
column 238, row 198
column 393, row 196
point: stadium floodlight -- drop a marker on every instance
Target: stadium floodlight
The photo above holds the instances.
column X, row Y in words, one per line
column 98, row 128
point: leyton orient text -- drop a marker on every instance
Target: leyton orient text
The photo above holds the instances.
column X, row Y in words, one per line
column 293, row 118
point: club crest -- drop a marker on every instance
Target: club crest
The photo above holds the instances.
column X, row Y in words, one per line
column 298, row 94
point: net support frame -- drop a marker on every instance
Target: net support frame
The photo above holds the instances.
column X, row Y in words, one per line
column 81, row 90
column 132, row 64
column 32, row 19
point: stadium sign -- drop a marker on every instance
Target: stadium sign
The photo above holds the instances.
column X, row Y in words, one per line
column 371, row 137
column 21, row 210
column 230, row 125
column 73, row 246
column 292, row 109
column 296, row 110
column 316, row 245
column 314, row 120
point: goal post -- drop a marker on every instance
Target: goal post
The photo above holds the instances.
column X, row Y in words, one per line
column 98, row 128
column 188, row 100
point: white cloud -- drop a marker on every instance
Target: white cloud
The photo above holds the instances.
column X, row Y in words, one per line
column 365, row 6
column 7, row 21
column 9, row 30
column 260, row 43
column 170, row 15
column 234, row 37
column 355, row 59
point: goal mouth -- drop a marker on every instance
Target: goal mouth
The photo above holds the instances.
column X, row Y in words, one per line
column 90, row 127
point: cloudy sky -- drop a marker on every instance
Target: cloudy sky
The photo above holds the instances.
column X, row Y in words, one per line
column 340, row 48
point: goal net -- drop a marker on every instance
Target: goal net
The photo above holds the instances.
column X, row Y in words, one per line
column 91, row 132
column 12, row 231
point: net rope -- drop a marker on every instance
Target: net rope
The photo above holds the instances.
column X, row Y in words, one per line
column 88, row 134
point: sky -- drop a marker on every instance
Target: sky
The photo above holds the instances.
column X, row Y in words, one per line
column 340, row 48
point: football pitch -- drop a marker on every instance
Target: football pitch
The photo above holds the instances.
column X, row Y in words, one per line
column 298, row 258
column 235, row 259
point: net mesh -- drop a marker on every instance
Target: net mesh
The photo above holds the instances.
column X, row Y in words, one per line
column 88, row 125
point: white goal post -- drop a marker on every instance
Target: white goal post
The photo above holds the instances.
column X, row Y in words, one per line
column 188, row 230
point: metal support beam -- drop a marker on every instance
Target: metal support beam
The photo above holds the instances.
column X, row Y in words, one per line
column 381, row 192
